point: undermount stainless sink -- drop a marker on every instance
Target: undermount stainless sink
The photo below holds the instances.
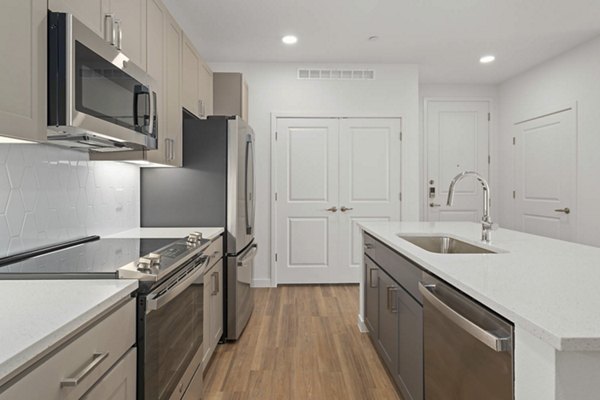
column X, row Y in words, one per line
column 445, row 245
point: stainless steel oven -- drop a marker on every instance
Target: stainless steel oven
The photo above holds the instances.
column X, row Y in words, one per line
column 170, row 335
column 97, row 98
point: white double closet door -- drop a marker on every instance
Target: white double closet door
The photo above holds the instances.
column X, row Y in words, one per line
column 332, row 173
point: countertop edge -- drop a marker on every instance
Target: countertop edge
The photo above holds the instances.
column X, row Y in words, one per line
column 29, row 356
column 559, row 343
column 165, row 232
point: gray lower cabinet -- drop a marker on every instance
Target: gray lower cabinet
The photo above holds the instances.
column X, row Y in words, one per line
column 372, row 298
column 388, row 321
column 394, row 315
column 410, row 346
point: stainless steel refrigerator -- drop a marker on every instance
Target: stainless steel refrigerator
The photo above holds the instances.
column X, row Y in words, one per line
column 215, row 187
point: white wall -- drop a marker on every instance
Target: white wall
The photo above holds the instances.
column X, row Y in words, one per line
column 468, row 93
column 573, row 77
column 50, row 194
column 273, row 88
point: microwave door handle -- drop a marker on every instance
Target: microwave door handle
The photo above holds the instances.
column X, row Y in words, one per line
column 156, row 303
column 152, row 110
column 136, row 102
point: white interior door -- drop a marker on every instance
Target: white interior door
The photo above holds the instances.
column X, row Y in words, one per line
column 324, row 166
column 545, row 198
column 307, row 186
column 370, row 152
column 457, row 140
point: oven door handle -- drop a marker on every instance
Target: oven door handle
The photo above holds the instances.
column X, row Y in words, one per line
column 156, row 303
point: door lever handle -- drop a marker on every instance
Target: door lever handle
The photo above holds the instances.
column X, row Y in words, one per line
column 344, row 209
column 565, row 210
column 434, row 205
column 332, row 209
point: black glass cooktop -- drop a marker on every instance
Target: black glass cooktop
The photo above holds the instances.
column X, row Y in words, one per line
column 96, row 259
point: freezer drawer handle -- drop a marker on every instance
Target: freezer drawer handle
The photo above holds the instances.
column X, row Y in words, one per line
column 492, row 341
column 249, row 256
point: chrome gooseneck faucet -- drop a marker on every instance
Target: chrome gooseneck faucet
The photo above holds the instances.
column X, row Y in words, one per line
column 487, row 226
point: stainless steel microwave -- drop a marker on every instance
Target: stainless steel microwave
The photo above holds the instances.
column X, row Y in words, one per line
column 97, row 98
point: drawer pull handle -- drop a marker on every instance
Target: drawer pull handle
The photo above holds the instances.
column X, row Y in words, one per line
column 96, row 360
column 372, row 282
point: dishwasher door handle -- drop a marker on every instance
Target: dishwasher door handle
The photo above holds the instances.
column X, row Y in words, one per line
column 492, row 341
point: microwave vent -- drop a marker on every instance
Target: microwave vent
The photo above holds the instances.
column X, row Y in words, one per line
column 336, row 74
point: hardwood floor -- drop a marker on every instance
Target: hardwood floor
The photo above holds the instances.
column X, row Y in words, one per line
column 302, row 342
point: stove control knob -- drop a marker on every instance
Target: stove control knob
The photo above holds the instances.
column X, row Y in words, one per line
column 194, row 237
column 145, row 264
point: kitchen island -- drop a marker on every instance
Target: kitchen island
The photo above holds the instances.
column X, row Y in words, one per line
column 546, row 288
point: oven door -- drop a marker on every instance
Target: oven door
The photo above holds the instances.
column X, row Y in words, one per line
column 173, row 333
column 95, row 90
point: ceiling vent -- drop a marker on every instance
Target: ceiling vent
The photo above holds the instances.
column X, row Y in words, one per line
column 336, row 74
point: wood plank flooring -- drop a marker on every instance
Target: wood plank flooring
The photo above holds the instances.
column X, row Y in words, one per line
column 302, row 342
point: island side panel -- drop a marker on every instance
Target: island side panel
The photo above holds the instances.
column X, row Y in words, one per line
column 361, row 303
column 535, row 367
column 577, row 375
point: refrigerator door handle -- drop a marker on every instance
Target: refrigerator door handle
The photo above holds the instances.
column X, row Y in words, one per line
column 249, row 186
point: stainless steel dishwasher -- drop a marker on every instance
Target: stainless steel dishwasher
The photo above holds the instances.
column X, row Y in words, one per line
column 468, row 350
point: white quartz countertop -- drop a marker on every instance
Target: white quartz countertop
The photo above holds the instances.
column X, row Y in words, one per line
column 545, row 286
column 207, row 233
column 35, row 316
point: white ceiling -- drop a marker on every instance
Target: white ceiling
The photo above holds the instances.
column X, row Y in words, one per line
column 445, row 37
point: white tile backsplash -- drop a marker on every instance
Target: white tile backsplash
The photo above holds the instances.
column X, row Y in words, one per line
column 49, row 194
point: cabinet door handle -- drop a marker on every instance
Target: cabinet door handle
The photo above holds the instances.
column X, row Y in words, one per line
column 109, row 28
column 344, row 209
column 371, row 278
column 392, row 304
column 217, row 283
column 119, row 34
column 74, row 381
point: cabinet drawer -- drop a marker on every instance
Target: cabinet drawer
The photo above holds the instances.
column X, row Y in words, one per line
column 215, row 251
column 95, row 350
column 119, row 383
column 397, row 266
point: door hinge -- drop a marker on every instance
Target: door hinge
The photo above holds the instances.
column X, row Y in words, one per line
column 275, row 135
column 275, row 257
column 514, row 140
column 400, row 136
column 489, row 116
column 514, row 194
column 489, row 159
column 400, row 196
column 275, row 196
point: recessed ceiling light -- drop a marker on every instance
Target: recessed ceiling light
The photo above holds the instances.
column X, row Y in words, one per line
column 289, row 39
column 487, row 59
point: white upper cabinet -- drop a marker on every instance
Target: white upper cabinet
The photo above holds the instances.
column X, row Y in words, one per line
column 197, row 81
column 23, row 69
column 130, row 20
column 126, row 17
column 91, row 12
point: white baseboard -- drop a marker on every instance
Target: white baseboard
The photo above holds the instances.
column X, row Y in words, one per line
column 361, row 325
column 261, row 283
